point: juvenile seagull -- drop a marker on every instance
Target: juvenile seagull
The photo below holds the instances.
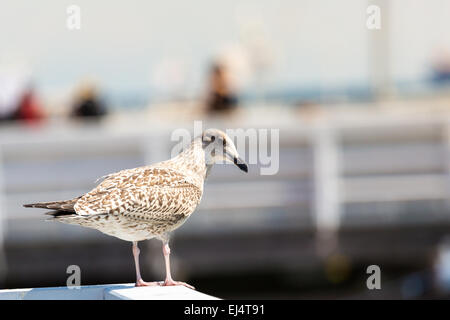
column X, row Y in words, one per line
column 151, row 201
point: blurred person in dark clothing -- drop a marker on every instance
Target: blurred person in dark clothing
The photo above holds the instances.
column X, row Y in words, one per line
column 88, row 104
column 221, row 99
column 441, row 67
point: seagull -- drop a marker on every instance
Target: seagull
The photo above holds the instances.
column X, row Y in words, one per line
column 150, row 201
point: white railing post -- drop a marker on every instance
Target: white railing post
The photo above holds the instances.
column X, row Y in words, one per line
column 2, row 218
column 326, row 184
column 446, row 158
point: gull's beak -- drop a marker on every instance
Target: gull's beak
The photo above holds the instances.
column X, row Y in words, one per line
column 240, row 164
column 232, row 155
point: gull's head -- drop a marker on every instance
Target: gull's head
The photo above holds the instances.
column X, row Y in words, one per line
column 219, row 148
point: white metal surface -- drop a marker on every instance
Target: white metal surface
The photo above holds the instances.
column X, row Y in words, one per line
column 105, row 292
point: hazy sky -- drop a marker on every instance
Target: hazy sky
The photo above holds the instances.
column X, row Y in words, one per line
column 138, row 43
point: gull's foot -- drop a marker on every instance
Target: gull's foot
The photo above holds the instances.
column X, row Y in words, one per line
column 142, row 283
column 177, row 283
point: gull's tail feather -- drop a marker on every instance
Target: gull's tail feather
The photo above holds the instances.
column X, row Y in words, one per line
column 64, row 205
column 60, row 213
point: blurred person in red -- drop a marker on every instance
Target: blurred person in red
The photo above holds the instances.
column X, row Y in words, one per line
column 29, row 109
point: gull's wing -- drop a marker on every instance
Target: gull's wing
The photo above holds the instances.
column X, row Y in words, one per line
column 153, row 194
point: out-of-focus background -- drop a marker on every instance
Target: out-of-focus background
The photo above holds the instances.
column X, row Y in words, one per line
column 364, row 140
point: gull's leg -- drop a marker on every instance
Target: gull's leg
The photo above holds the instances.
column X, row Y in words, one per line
column 139, row 281
column 169, row 281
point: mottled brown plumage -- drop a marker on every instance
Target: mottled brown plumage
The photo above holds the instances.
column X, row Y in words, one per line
column 150, row 201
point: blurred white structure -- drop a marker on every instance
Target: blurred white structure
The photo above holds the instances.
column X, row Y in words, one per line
column 337, row 173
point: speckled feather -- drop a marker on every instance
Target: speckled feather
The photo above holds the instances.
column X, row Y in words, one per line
column 141, row 203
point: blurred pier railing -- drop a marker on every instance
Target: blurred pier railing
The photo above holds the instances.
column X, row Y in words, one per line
column 333, row 175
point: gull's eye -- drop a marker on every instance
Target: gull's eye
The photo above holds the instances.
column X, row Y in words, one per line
column 213, row 138
column 224, row 143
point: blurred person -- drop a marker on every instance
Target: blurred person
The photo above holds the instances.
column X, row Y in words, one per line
column 441, row 67
column 88, row 103
column 29, row 109
column 221, row 98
